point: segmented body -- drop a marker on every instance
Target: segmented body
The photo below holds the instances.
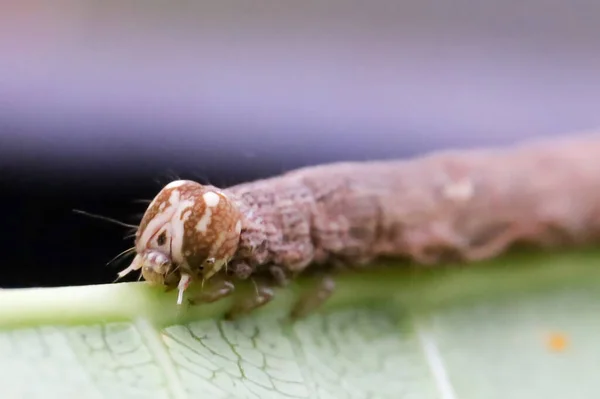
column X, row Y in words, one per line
column 465, row 205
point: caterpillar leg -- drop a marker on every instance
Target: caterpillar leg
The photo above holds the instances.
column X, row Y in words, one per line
column 314, row 298
column 219, row 290
column 247, row 303
column 279, row 276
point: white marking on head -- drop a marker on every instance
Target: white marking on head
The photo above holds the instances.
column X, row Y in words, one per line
column 158, row 221
column 175, row 183
column 174, row 197
column 211, row 199
column 178, row 230
column 172, row 217
column 218, row 242
column 204, row 221
column 238, row 227
column 186, row 215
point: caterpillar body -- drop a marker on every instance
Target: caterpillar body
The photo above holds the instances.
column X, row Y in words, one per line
column 462, row 204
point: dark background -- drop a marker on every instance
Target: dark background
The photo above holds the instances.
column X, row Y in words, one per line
column 103, row 102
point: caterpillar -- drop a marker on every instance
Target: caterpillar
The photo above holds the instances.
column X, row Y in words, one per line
column 446, row 205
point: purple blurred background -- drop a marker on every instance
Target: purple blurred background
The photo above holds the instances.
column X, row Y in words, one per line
column 102, row 102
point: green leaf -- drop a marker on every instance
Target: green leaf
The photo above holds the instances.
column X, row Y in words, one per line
column 521, row 326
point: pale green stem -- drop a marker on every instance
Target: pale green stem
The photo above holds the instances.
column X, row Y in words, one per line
column 398, row 285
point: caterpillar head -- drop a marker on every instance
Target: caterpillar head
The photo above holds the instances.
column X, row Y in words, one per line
column 188, row 232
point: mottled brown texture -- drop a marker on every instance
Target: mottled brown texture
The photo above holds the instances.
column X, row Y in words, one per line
column 219, row 241
column 162, row 200
column 198, row 237
column 463, row 204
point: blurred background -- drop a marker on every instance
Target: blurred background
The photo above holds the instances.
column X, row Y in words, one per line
column 104, row 102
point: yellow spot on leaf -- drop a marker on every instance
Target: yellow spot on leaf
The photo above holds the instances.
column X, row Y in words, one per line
column 557, row 342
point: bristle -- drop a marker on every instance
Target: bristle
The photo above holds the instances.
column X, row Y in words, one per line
column 142, row 201
column 106, row 219
column 124, row 253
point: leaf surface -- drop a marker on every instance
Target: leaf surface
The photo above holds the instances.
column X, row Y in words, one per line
column 524, row 326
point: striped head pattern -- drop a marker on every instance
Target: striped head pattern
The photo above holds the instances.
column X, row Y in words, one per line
column 188, row 232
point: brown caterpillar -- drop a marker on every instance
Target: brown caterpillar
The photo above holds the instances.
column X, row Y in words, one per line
column 465, row 204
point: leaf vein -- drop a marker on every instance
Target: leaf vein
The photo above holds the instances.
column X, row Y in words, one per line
column 435, row 363
column 157, row 347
